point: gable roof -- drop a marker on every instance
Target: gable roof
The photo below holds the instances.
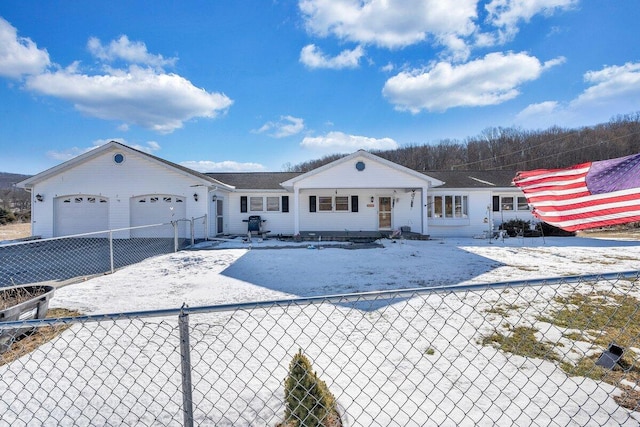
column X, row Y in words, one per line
column 206, row 180
column 361, row 153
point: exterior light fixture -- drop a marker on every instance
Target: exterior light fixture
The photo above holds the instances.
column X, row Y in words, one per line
column 214, row 198
column 39, row 197
column 372, row 199
column 195, row 196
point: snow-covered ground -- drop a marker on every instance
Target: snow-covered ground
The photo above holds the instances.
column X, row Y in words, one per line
column 237, row 272
column 370, row 359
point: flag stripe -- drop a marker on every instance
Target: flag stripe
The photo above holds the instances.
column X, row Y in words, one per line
column 599, row 199
column 588, row 212
column 600, row 221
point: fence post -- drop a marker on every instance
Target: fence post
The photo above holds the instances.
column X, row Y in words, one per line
column 192, row 231
column 175, row 235
column 111, row 249
column 185, row 357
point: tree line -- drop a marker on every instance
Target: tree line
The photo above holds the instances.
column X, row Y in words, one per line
column 513, row 148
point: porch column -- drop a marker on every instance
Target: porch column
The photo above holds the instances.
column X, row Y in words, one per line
column 423, row 209
column 296, row 210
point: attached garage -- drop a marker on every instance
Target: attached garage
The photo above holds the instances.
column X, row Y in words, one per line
column 79, row 214
column 157, row 209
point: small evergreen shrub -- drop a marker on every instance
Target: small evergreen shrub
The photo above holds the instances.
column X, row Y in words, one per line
column 309, row 403
column 6, row 216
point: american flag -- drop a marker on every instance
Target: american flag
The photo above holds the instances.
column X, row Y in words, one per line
column 587, row 195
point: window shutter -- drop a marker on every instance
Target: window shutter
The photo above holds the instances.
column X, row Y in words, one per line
column 312, row 203
column 496, row 203
column 285, row 203
column 354, row 203
column 243, row 203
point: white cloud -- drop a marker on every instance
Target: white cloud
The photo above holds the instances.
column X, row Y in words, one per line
column 19, row 55
column 613, row 90
column 72, row 152
column 130, row 52
column 141, row 96
column 313, row 57
column 341, row 142
column 487, row 81
column 611, row 84
column 507, row 14
column 391, row 23
column 387, row 68
column 140, row 93
column 225, row 166
column 286, row 126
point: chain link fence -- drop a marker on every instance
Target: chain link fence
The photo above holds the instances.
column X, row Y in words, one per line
column 549, row 352
column 65, row 258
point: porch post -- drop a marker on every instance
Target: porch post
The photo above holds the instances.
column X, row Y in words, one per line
column 423, row 209
column 296, row 210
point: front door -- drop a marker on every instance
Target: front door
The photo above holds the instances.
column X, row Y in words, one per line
column 384, row 213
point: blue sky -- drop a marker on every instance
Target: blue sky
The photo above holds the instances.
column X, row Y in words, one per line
column 253, row 85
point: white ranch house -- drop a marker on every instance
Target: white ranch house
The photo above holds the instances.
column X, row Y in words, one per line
column 115, row 186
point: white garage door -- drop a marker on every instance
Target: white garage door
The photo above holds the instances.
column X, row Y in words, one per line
column 157, row 209
column 80, row 214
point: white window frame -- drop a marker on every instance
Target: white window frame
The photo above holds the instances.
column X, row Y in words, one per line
column 448, row 206
column 273, row 204
column 522, row 204
column 253, row 204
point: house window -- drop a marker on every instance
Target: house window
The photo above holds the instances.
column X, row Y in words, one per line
column 523, row 205
column 333, row 203
column 273, row 204
column 256, row 204
column 325, row 203
column 460, row 207
column 506, row 203
column 448, row 206
column 437, row 207
column 342, row 203
column 153, row 199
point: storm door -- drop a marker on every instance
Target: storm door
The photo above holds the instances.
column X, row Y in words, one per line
column 384, row 213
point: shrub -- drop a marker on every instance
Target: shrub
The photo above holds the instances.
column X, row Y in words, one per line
column 514, row 227
column 309, row 402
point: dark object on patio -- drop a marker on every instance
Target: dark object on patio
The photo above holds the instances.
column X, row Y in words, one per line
column 22, row 302
column 254, row 225
column 610, row 357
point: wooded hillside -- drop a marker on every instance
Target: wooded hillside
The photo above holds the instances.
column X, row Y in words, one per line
column 515, row 149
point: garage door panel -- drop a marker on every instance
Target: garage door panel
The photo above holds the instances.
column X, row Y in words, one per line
column 80, row 214
column 156, row 209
